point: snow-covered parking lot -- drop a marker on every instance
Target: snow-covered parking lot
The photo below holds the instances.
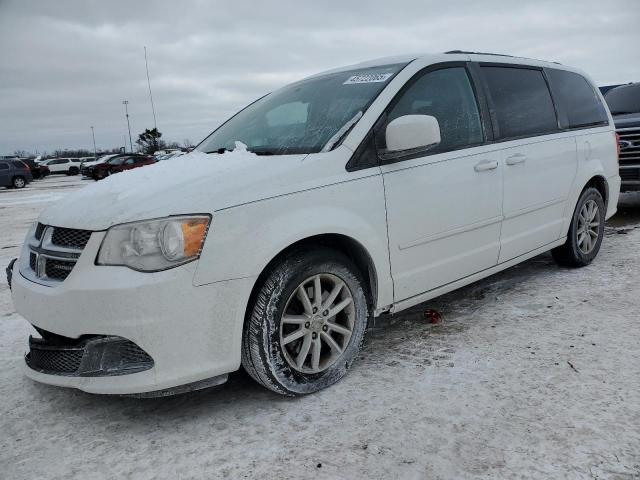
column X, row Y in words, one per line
column 533, row 373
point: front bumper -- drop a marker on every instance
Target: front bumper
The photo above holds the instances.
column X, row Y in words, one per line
column 191, row 333
column 92, row 356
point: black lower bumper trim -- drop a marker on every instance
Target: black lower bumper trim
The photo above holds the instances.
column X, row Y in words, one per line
column 9, row 271
column 88, row 356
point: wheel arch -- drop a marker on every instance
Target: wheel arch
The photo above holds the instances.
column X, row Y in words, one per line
column 350, row 247
column 599, row 183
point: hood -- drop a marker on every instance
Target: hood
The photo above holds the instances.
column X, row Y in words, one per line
column 627, row 120
column 193, row 183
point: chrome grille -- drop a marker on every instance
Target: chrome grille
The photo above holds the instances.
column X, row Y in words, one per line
column 53, row 253
column 629, row 146
column 70, row 237
column 630, row 174
column 58, row 269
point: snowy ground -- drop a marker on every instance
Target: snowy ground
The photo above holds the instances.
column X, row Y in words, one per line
column 534, row 373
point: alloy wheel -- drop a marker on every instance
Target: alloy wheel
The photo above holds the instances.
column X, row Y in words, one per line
column 588, row 227
column 317, row 323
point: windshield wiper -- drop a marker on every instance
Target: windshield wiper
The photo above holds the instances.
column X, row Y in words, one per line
column 340, row 134
column 220, row 150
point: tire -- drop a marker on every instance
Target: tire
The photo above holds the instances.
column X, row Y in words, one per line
column 579, row 251
column 73, row 171
column 18, row 182
column 268, row 354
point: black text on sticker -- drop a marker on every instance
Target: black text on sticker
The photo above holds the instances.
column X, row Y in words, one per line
column 368, row 78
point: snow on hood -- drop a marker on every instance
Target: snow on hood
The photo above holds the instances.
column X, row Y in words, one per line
column 193, row 183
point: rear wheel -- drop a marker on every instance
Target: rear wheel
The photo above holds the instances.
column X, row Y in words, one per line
column 307, row 323
column 18, row 182
column 74, row 171
column 585, row 232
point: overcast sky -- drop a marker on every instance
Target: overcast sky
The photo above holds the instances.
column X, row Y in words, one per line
column 67, row 65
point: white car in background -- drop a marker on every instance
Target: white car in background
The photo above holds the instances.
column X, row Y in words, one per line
column 362, row 190
column 170, row 155
column 69, row 166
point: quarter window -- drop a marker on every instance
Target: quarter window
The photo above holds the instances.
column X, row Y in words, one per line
column 447, row 95
column 4, row 166
column 576, row 99
column 522, row 104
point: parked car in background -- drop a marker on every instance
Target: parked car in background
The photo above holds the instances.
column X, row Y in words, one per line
column 37, row 170
column 14, row 174
column 166, row 151
column 624, row 104
column 68, row 166
column 120, row 164
column 360, row 191
column 167, row 156
column 87, row 167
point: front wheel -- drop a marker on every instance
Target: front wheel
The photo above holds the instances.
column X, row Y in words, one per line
column 18, row 182
column 585, row 232
column 306, row 324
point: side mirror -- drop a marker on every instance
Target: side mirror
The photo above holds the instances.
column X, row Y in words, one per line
column 411, row 133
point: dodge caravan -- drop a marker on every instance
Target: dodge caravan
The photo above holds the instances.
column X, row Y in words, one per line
column 358, row 191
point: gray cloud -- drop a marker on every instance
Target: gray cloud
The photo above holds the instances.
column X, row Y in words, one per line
column 66, row 65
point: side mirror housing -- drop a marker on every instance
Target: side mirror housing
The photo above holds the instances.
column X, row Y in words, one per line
column 411, row 134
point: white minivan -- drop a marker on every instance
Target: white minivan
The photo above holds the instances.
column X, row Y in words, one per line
column 358, row 191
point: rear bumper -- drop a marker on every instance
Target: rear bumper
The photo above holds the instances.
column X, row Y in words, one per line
column 191, row 333
column 614, row 194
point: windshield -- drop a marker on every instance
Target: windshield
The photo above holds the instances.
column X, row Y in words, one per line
column 303, row 117
column 624, row 99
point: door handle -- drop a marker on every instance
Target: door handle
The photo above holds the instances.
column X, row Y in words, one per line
column 516, row 159
column 485, row 165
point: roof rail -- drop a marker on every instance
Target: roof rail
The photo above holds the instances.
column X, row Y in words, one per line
column 479, row 53
column 495, row 55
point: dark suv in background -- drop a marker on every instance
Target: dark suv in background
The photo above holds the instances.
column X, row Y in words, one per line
column 624, row 103
column 14, row 174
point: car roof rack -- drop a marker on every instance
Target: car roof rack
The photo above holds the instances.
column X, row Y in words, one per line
column 495, row 55
column 479, row 53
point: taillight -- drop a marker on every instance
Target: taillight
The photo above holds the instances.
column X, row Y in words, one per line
column 618, row 146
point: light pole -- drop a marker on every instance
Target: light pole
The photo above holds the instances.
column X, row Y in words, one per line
column 93, row 134
column 155, row 125
column 126, row 110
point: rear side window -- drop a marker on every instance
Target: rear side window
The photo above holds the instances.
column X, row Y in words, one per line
column 447, row 95
column 522, row 104
column 578, row 103
column 4, row 166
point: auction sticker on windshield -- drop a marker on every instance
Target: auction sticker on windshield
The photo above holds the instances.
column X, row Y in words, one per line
column 368, row 78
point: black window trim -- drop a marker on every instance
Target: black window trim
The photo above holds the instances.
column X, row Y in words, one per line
column 378, row 126
column 496, row 127
column 561, row 111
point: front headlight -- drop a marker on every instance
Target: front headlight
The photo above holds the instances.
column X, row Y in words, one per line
column 154, row 245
